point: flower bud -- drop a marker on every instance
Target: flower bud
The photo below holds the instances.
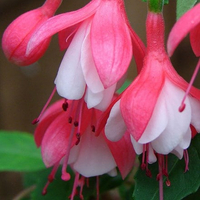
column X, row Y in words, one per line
column 19, row 32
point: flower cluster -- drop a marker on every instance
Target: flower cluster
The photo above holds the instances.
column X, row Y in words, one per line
column 93, row 129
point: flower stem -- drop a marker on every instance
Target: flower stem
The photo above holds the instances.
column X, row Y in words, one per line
column 155, row 6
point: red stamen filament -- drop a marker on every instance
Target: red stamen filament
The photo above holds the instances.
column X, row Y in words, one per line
column 182, row 106
column 160, row 176
column 35, row 121
column 50, row 178
column 65, row 175
column 75, row 186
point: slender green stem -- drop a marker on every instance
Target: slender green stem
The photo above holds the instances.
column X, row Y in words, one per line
column 155, row 5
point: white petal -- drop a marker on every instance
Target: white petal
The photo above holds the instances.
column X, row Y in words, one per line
column 178, row 122
column 107, row 98
column 195, row 106
column 89, row 69
column 157, row 123
column 93, row 99
column 185, row 142
column 137, row 146
column 152, row 157
column 70, row 82
column 178, row 151
column 115, row 126
column 113, row 172
column 94, row 157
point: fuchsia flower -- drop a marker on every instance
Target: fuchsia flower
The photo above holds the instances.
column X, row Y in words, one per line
column 149, row 109
column 188, row 23
column 100, row 45
column 19, row 32
column 68, row 137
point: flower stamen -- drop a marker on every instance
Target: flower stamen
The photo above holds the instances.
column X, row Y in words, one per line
column 36, row 120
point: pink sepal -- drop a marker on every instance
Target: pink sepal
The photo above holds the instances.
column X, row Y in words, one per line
column 138, row 101
column 123, row 154
column 182, row 27
column 110, row 42
column 61, row 22
column 50, row 114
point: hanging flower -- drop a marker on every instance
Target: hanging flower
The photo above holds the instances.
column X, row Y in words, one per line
column 19, row 32
column 149, row 109
column 100, row 45
column 188, row 23
column 68, row 138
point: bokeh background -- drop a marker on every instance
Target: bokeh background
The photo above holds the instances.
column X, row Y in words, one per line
column 24, row 90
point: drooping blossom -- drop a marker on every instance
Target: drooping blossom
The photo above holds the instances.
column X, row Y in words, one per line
column 100, row 44
column 19, row 32
column 68, row 137
column 188, row 23
column 149, row 109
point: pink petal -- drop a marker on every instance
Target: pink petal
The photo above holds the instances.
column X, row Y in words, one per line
column 194, row 39
column 182, row 27
column 61, row 22
column 111, row 42
column 139, row 100
column 48, row 117
column 56, row 140
column 123, row 154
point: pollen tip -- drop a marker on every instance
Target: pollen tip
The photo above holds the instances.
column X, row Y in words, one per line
column 65, row 176
column 182, row 107
column 35, row 121
column 168, row 183
column 44, row 192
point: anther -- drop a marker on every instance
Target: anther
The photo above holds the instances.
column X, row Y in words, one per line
column 76, row 123
column 78, row 136
column 35, row 121
column 168, row 183
column 148, row 173
column 93, row 128
column 182, row 107
column 70, row 120
column 65, row 106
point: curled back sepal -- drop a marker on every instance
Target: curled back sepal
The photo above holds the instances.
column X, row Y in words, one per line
column 19, row 32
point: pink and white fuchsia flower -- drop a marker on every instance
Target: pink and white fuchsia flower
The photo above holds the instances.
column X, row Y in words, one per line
column 17, row 35
column 188, row 23
column 68, row 137
column 100, row 44
column 149, row 109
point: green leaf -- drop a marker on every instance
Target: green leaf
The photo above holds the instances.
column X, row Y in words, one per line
column 183, row 6
column 165, row 1
column 182, row 184
column 18, row 152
